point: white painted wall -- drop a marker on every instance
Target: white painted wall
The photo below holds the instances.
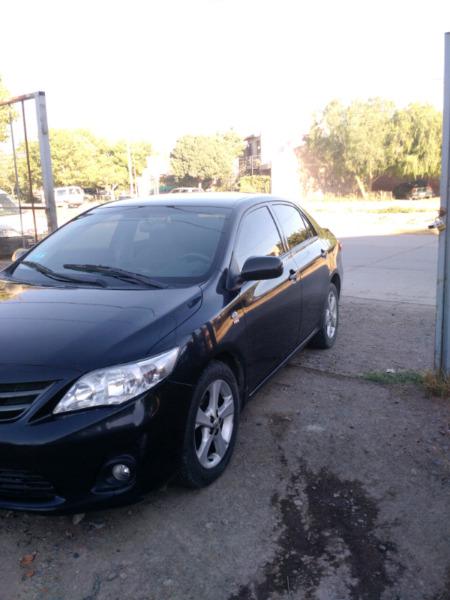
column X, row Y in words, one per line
column 285, row 171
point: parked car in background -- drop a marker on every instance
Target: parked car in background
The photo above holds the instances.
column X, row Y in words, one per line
column 11, row 240
column 7, row 204
column 186, row 190
column 90, row 194
column 415, row 190
column 104, row 196
column 132, row 337
column 38, row 198
column 71, row 196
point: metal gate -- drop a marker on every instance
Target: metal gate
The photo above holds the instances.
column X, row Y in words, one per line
column 27, row 202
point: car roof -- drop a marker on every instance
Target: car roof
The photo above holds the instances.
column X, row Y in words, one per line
column 215, row 199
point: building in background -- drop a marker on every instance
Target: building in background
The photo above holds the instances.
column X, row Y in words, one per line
column 273, row 155
column 251, row 162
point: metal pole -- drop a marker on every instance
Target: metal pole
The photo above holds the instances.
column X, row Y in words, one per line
column 16, row 176
column 130, row 170
column 46, row 160
column 442, row 340
column 30, row 182
column 16, row 99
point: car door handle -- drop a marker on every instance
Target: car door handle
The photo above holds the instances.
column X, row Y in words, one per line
column 292, row 275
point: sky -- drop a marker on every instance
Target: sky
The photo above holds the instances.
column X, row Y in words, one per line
column 158, row 69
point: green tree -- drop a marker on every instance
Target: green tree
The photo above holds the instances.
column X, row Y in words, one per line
column 414, row 144
column 81, row 158
column 4, row 112
column 347, row 144
column 6, row 172
column 206, row 159
column 255, row 184
column 110, row 168
column 73, row 156
column 6, row 163
column 139, row 152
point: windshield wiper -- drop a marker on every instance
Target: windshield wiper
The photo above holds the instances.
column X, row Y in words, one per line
column 59, row 276
column 117, row 273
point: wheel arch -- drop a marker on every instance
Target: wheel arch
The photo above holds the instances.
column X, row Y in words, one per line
column 336, row 280
column 235, row 363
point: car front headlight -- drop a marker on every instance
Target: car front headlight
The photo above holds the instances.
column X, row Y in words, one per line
column 115, row 385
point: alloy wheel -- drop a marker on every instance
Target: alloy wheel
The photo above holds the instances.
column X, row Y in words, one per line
column 214, row 424
column 331, row 315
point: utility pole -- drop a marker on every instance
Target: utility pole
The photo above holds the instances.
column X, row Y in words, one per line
column 442, row 340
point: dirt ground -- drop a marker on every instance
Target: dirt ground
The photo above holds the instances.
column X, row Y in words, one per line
column 339, row 490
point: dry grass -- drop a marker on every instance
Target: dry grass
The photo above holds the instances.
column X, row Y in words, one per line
column 437, row 384
column 351, row 217
column 374, row 197
column 371, row 205
column 400, row 209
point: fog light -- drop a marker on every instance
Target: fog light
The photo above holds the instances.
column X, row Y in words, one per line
column 121, row 472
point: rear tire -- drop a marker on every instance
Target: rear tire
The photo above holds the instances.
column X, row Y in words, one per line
column 211, row 427
column 326, row 336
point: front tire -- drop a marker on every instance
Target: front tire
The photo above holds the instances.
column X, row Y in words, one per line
column 326, row 336
column 211, row 427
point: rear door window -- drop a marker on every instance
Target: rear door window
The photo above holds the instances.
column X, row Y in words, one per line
column 292, row 224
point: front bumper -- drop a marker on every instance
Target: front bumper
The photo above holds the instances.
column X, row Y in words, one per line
column 63, row 463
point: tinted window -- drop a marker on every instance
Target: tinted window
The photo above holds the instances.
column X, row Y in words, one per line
column 174, row 244
column 292, row 224
column 258, row 236
column 311, row 231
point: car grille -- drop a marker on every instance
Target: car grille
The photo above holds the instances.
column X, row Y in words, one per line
column 24, row 486
column 16, row 398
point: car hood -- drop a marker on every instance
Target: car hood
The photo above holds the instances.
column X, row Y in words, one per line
column 58, row 331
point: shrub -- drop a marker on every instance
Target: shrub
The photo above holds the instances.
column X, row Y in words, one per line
column 255, row 184
column 437, row 384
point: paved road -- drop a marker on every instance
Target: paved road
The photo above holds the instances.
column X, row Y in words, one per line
column 400, row 268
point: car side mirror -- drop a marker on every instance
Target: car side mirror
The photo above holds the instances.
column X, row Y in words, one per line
column 261, row 267
column 18, row 253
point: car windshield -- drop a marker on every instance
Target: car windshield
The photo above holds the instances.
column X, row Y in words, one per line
column 165, row 244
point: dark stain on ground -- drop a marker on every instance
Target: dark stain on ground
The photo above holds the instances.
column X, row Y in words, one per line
column 326, row 523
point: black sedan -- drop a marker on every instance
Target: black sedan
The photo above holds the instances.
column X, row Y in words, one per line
column 131, row 338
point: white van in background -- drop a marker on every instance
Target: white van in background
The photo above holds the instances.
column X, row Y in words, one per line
column 71, row 196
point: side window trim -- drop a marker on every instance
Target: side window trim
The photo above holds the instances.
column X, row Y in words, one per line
column 309, row 225
column 280, row 229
